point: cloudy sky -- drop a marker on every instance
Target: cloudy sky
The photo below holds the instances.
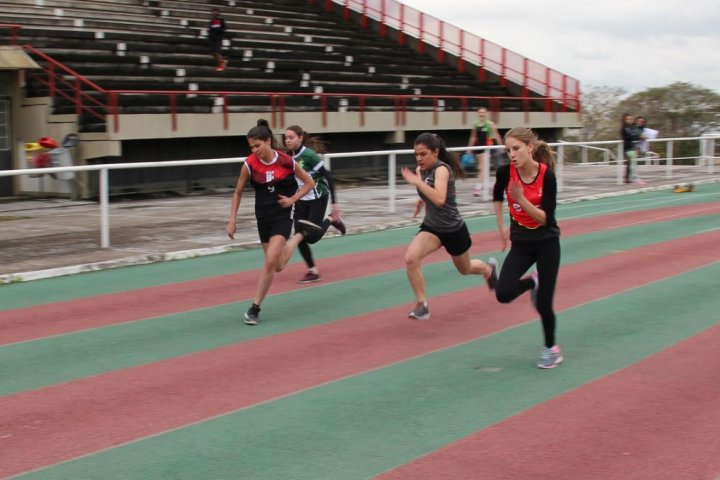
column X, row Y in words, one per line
column 633, row 44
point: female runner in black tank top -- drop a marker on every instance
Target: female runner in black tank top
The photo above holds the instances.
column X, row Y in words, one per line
column 442, row 225
column 272, row 174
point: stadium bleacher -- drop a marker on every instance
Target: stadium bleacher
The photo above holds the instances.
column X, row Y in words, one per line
column 162, row 46
column 284, row 47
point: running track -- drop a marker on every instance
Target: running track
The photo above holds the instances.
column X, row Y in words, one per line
column 148, row 372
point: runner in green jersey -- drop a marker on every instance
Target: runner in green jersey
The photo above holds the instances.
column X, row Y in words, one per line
column 306, row 151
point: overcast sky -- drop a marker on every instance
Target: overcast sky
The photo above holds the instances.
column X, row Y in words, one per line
column 633, row 44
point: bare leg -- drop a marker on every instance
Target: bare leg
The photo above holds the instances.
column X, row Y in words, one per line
column 481, row 167
column 471, row 266
column 273, row 251
column 422, row 245
column 288, row 251
column 482, row 163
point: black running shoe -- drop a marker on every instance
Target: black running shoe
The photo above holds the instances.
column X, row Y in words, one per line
column 493, row 278
column 307, row 228
column 252, row 316
column 309, row 277
column 339, row 225
column 420, row 312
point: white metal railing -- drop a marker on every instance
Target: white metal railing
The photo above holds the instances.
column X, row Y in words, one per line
column 606, row 153
column 706, row 159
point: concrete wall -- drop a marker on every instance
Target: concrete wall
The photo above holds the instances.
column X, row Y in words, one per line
column 151, row 137
column 145, row 126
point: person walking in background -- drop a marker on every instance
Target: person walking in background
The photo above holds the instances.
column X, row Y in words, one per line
column 216, row 34
column 631, row 136
column 272, row 174
column 306, row 151
column 643, row 146
column 483, row 133
column 442, row 226
column 531, row 189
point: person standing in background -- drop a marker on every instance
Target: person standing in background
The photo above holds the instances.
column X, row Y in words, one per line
column 216, row 34
column 483, row 133
column 643, row 144
column 631, row 136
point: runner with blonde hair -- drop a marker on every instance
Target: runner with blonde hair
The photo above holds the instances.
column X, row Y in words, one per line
column 531, row 189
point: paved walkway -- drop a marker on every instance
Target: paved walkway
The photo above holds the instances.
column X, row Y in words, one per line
column 52, row 237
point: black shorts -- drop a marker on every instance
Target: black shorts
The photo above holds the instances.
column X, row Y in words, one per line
column 456, row 243
column 281, row 226
column 215, row 44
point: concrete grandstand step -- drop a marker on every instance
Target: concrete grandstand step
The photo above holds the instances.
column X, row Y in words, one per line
column 94, row 24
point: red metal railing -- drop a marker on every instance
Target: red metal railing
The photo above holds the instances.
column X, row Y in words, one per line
column 467, row 47
column 57, row 73
column 277, row 103
column 14, row 29
column 76, row 84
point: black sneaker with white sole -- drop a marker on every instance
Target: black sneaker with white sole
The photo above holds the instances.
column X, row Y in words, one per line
column 420, row 312
column 492, row 280
column 252, row 316
column 308, row 228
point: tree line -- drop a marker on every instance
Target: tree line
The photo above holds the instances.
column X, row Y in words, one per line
column 680, row 109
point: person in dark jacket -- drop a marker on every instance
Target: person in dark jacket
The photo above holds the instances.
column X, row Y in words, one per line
column 216, row 34
column 631, row 136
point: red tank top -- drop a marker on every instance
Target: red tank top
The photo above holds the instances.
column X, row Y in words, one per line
column 269, row 181
column 533, row 192
column 262, row 173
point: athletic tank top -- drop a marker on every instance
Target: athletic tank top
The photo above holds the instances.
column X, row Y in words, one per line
column 312, row 162
column 446, row 218
column 270, row 180
column 483, row 133
column 533, row 192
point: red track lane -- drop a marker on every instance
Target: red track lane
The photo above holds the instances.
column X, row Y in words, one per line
column 60, row 422
column 656, row 419
column 74, row 315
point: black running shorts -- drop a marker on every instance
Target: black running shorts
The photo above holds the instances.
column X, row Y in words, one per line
column 456, row 243
column 281, row 226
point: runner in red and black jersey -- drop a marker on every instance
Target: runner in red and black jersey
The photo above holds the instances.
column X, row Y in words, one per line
column 272, row 174
column 531, row 189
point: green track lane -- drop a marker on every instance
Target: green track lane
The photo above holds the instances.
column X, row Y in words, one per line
column 363, row 425
column 72, row 356
column 140, row 276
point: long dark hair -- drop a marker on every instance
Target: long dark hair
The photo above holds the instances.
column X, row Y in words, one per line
column 262, row 131
column 622, row 120
column 434, row 142
column 542, row 152
column 313, row 142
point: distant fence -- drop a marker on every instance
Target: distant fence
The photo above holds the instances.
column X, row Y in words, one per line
column 704, row 161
